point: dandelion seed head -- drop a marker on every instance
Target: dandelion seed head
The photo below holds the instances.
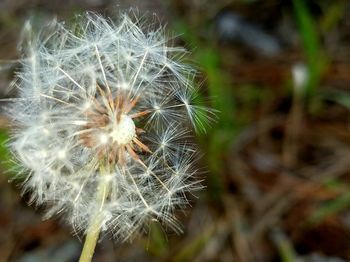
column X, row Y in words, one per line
column 106, row 106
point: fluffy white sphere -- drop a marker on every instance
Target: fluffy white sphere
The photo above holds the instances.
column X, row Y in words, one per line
column 106, row 104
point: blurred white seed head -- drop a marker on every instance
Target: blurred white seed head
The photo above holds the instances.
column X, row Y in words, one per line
column 300, row 76
column 112, row 96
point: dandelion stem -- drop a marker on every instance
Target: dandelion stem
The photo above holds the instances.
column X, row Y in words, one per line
column 91, row 240
column 96, row 221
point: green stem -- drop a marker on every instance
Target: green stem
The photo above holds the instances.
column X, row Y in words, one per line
column 91, row 240
column 95, row 223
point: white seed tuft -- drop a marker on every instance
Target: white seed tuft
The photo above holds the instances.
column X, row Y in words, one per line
column 105, row 108
column 124, row 131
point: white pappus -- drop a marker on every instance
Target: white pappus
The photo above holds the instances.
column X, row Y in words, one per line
column 105, row 108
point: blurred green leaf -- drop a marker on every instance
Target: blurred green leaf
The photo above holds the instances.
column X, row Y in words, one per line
column 195, row 246
column 338, row 96
column 6, row 163
column 208, row 58
column 333, row 14
column 157, row 243
column 334, row 206
column 330, row 208
column 222, row 132
column 316, row 59
column 286, row 251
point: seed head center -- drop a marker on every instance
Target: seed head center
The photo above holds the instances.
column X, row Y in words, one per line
column 124, row 131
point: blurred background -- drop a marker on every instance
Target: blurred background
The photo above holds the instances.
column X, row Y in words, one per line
column 277, row 160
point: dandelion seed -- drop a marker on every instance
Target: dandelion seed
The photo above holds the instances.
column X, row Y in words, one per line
column 103, row 117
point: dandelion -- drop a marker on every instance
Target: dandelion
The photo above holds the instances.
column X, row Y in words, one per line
column 103, row 117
